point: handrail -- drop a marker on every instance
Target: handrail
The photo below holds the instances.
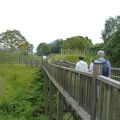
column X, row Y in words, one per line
column 115, row 71
column 77, row 86
column 109, row 81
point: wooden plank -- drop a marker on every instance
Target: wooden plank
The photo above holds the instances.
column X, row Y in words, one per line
column 109, row 81
column 116, row 104
column 50, row 101
column 104, row 111
column 109, row 104
column 70, row 82
column 60, row 107
column 96, row 70
column 99, row 99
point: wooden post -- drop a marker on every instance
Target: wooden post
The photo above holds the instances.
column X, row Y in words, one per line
column 11, row 60
column 19, row 59
column 60, row 107
column 26, row 62
column 37, row 63
column 51, row 101
column 31, row 63
column 70, row 83
column 97, row 70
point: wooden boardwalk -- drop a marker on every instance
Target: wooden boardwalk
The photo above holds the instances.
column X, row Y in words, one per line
column 92, row 96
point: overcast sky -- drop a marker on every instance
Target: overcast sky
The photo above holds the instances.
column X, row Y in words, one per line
column 47, row 20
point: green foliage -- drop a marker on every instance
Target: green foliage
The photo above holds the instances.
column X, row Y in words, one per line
column 112, row 49
column 74, row 58
column 95, row 48
column 74, row 43
column 24, row 53
column 43, row 49
column 89, row 43
column 13, row 39
column 23, row 97
column 111, row 37
column 111, row 25
column 55, row 46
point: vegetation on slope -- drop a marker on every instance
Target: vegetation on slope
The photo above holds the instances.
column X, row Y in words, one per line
column 23, row 97
column 72, row 58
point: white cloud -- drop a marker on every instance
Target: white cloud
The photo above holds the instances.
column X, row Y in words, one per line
column 47, row 20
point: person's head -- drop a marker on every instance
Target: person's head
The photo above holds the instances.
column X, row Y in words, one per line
column 92, row 60
column 100, row 53
column 81, row 58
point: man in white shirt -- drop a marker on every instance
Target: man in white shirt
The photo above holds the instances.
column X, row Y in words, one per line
column 81, row 65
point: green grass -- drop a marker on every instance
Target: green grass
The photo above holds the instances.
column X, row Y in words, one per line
column 72, row 58
column 22, row 97
column 16, row 78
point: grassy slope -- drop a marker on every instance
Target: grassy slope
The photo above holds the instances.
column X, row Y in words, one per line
column 72, row 58
column 16, row 78
column 19, row 86
column 2, row 86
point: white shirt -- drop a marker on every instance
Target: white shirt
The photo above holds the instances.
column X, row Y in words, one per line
column 91, row 68
column 81, row 66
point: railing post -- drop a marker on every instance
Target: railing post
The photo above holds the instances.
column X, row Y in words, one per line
column 97, row 70
column 31, row 64
column 37, row 63
column 19, row 59
column 26, row 62
column 60, row 107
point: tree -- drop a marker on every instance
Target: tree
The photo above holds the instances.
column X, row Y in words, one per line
column 97, row 47
column 43, row 49
column 89, row 43
column 112, row 48
column 55, row 46
column 13, row 39
column 111, row 26
column 74, row 43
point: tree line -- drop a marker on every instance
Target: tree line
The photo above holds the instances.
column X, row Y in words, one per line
column 13, row 39
column 111, row 42
column 74, row 43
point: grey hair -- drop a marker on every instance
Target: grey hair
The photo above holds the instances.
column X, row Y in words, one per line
column 100, row 53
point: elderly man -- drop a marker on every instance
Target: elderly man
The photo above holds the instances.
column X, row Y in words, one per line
column 81, row 65
column 106, row 69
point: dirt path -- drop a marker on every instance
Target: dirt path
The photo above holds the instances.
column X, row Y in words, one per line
column 2, row 86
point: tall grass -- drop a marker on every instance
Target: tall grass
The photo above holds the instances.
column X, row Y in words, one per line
column 22, row 96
